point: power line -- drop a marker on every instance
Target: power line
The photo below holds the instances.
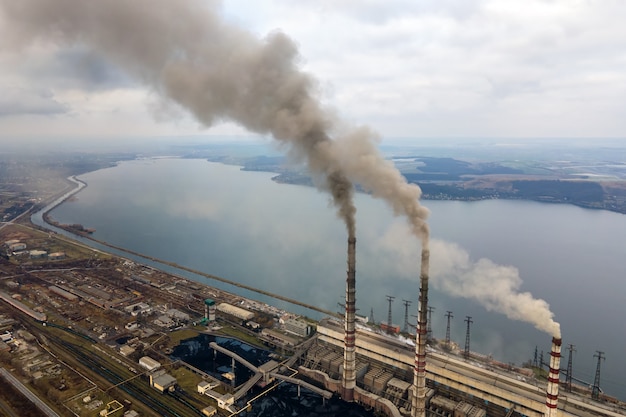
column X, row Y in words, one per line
column 449, row 316
column 595, row 393
column 466, row 353
column 390, row 299
column 568, row 378
column 407, row 303
column 429, row 327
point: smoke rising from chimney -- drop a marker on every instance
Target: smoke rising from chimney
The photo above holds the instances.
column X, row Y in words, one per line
column 189, row 55
column 496, row 287
column 453, row 271
column 185, row 52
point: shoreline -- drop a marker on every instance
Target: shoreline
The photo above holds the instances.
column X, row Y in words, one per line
column 43, row 215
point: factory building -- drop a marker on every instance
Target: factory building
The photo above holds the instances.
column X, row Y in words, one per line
column 455, row 387
column 162, row 381
column 126, row 350
column 38, row 254
column 61, row 292
column 56, row 256
column 297, row 327
column 138, row 308
column 148, row 363
column 237, row 312
column 14, row 247
column 209, row 411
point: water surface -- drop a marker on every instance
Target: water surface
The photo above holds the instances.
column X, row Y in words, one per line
column 287, row 239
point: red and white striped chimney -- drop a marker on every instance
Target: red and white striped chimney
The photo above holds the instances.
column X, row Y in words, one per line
column 349, row 353
column 418, row 404
column 552, row 390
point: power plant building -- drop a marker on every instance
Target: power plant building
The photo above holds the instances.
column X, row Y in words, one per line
column 240, row 313
column 297, row 327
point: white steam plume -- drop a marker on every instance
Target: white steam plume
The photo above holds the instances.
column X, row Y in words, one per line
column 184, row 51
column 496, row 287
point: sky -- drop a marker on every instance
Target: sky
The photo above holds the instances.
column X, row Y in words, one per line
column 407, row 69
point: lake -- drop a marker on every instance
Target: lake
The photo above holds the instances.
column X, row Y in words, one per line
column 286, row 239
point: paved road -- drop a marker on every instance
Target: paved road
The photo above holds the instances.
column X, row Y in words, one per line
column 43, row 407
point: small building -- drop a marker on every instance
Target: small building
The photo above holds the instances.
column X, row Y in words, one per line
column 14, row 247
column 38, row 254
column 226, row 401
column 138, row 308
column 177, row 314
column 205, row 386
column 148, row 363
column 394, row 328
column 209, row 411
column 27, row 336
column 162, row 381
column 56, row 256
column 126, row 350
column 164, row 321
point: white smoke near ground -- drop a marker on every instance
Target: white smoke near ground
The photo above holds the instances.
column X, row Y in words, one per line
column 452, row 270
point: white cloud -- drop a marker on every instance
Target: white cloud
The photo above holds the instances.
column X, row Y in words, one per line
column 414, row 69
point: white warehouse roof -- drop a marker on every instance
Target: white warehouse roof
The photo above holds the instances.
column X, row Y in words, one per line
column 240, row 313
column 148, row 363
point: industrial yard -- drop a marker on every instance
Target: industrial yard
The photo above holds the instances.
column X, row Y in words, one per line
column 88, row 333
column 77, row 328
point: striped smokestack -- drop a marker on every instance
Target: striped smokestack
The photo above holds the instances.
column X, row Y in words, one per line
column 552, row 391
column 349, row 355
column 418, row 404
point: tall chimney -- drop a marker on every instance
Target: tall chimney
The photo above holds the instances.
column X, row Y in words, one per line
column 552, row 390
column 418, row 403
column 349, row 354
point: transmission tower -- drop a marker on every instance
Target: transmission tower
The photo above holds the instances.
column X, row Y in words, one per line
column 466, row 353
column 372, row 315
column 541, row 359
column 568, row 378
column 595, row 393
column 449, row 316
column 535, row 363
column 429, row 327
column 390, row 299
column 407, row 303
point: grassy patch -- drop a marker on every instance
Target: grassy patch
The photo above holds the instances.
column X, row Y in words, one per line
column 241, row 335
column 177, row 336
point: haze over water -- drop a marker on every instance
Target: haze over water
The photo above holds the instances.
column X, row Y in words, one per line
column 287, row 239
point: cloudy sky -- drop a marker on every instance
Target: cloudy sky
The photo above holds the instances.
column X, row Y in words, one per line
column 408, row 69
